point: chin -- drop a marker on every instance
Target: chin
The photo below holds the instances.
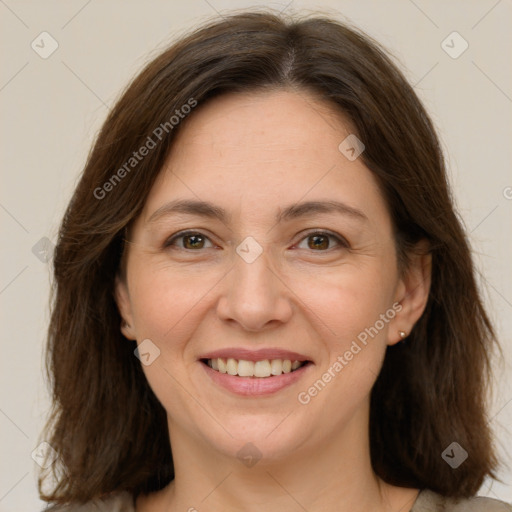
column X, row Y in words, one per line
column 266, row 438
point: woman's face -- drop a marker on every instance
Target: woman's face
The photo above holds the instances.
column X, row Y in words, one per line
column 268, row 268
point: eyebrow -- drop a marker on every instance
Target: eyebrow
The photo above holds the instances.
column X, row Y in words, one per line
column 293, row 211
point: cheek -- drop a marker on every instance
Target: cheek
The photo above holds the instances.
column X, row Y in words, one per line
column 354, row 339
column 348, row 308
column 348, row 300
column 356, row 308
column 166, row 302
column 168, row 307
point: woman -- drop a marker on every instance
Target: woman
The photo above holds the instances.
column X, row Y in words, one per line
column 264, row 298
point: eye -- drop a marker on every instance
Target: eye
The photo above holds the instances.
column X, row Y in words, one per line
column 192, row 240
column 319, row 241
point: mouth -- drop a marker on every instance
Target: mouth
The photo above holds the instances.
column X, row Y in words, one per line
column 261, row 369
column 254, row 373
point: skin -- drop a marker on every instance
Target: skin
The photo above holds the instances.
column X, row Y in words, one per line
column 253, row 154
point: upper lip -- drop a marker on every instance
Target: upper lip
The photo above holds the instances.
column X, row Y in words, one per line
column 255, row 355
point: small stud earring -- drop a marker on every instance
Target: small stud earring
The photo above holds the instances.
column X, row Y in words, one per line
column 403, row 334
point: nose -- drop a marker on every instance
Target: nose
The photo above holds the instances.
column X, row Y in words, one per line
column 255, row 296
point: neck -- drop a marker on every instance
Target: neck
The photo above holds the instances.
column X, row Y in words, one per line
column 334, row 475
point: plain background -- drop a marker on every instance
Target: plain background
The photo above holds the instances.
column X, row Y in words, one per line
column 52, row 108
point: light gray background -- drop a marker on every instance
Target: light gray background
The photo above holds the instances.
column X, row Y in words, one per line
column 52, row 108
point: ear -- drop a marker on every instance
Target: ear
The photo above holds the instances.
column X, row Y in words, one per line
column 122, row 298
column 412, row 292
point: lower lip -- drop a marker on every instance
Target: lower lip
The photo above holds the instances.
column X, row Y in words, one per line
column 255, row 386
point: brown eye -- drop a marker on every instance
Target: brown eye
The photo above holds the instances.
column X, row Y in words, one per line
column 320, row 241
column 191, row 240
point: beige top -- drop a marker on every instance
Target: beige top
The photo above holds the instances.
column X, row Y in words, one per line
column 427, row 501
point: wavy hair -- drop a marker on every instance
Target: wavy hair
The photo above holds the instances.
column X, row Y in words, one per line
column 106, row 423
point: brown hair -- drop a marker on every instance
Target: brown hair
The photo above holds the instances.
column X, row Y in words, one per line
column 106, row 423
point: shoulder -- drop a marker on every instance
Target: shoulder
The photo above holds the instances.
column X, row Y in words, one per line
column 116, row 502
column 429, row 501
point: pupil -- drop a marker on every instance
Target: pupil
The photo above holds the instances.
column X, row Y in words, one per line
column 197, row 239
column 320, row 245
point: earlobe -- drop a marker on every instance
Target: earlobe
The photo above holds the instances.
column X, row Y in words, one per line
column 412, row 292
column 123, row 304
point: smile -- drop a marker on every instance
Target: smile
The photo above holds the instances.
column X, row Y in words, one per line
column 259, row 369
column 252, row 379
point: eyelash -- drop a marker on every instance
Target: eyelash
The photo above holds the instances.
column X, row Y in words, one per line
column 339, row 239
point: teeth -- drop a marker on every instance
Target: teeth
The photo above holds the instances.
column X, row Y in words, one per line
column 243, row 368
column 261, row 368
column 276, row 367
column 232, row 366
column 221, row 364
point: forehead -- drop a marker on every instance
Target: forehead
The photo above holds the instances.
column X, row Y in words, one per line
column 271, row 122
column 260, row 150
